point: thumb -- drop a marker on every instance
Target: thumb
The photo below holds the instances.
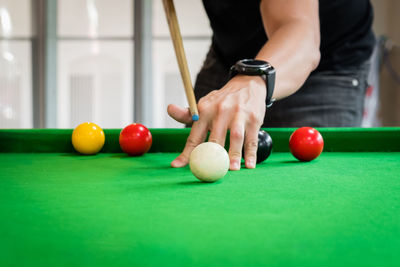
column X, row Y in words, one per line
column 179, row 114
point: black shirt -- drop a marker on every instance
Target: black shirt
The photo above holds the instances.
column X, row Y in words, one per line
column 346, row 36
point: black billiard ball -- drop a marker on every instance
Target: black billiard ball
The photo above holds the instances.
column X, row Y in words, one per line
column 264, row 146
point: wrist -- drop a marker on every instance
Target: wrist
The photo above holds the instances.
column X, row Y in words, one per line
column 252, row 81
column 260, row 69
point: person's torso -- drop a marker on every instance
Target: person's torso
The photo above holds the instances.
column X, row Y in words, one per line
column 346, row 36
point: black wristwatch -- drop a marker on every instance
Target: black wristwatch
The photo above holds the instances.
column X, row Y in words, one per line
column 254, row 67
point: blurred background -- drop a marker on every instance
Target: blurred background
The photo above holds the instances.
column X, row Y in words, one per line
column 111, row 62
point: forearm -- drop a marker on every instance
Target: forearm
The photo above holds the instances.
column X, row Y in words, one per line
column 293, row 50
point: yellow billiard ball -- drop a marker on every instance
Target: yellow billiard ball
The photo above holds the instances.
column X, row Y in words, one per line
column 88, row 138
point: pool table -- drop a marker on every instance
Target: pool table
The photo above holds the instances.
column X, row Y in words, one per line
column 59, row 208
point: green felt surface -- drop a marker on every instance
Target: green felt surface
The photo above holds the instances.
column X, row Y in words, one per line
column 62, row 209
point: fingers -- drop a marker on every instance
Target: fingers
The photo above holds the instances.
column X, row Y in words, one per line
column 179, row 114
column 197, row 136
column 236, row 144
column 251, row 145
column 219, row 129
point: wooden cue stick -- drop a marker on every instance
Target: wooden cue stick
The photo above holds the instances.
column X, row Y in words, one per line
column 180, row 56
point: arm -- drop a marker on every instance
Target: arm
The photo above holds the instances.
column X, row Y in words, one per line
column 293, row 49
column 294, row 38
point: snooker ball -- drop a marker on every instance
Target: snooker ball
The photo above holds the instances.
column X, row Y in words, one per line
column 135, row 139
column 264, row 148
column 306, row 143
column 88, row 138
column 209, row 162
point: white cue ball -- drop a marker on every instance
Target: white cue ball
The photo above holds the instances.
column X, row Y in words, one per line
column 209, row 162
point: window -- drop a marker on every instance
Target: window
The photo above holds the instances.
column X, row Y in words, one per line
column 95, row 63
column 15, row 64
column 64, row 62
column 196, row 35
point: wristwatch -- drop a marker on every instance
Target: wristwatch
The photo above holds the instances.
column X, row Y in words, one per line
column 254, row 67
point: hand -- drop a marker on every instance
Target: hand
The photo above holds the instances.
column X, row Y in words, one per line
column 239, row 107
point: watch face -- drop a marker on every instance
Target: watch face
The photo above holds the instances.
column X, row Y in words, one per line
column 253, row 63
column 253, row 67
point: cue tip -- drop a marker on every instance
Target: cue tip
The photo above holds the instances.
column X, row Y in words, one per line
column 195, row 117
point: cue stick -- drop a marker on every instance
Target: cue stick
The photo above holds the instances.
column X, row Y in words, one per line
column 180, row 56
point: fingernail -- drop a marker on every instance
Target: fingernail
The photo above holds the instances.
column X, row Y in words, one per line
column 176, row 163
column 235, row 165
column 250, row 163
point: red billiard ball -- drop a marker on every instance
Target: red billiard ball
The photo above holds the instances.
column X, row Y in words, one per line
column 306, row 143
column 135, row 139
